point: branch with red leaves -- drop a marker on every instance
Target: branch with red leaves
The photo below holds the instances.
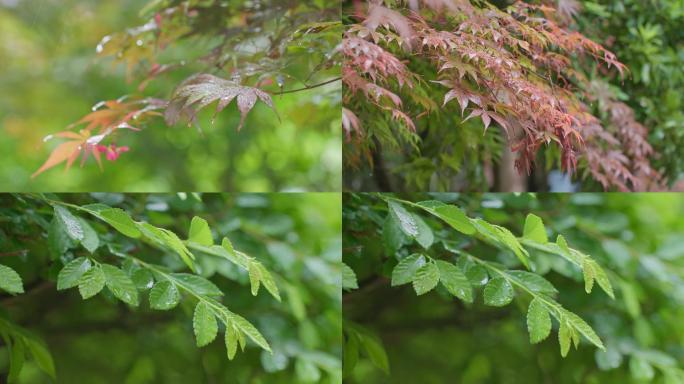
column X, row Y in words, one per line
column 519, row 68
column 275, row 31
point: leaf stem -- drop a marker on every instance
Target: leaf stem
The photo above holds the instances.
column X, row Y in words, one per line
column 306, row 88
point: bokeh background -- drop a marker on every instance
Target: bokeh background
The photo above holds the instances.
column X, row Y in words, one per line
column 50, row 77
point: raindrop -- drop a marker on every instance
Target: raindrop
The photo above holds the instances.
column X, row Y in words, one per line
column 95, row 139
column 98, row 106
column 48, row 137
column 100, row 46
column 139, row 43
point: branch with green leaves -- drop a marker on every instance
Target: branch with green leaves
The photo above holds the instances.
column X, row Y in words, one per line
column 91, row 272
column 463, row 274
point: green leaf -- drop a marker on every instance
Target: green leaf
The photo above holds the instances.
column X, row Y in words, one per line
column 375, row 351
column 564, row 334
column 455, row 281
column 42, row 357
column 92, row 282
column 404, row 272
column 10, row 280
column 254, row 277
column 306, row 371
column 403, row 218
column 245, row 326
column 502, row 237
column 560, row 241
column 431, row 205
column 121, row 221
column 204, row 324
column 534, row 229
column 609, row 359
column 70, row 275
column 164, row 296
column 507, row 238
column 268, row 282
column 200, row 232
column 350, row 354
column 169, row 240
column 231, row 340
column 70, row 223
column 425, row 237
column 228, row 246
column 629, row 295
column 498, row 292
column 534, row 282
column 602, row 279
column 640, row 369
column 17, row 358
column 197, row 284
column 455, row 217
column 120, row 284
column 538, row 321
column 348, row 278
column 392, row 236
column 476, row 274
column 58, row 241
column 90, row 239
column 143, row 279
column 584, row 328
column 588, row 272
column 426, row 278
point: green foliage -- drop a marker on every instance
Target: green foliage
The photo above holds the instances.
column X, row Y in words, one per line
column 506, row 326
column 139, row 253
column 24, row 344
column 647, row 37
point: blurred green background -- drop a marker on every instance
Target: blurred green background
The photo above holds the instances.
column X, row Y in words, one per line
column 435, row 338
column 50, row 77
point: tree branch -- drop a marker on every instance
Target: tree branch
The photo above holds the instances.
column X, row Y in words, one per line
column 13, row 253
column 308, row 87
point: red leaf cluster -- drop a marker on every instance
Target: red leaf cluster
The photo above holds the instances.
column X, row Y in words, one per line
column 517, row 68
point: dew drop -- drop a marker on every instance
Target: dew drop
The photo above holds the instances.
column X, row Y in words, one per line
column 47, row 138
column 139, row 43
column 98, row 106
column 100, row 46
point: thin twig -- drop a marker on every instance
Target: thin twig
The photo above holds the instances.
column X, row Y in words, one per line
column 13, row 253
column 308, row 87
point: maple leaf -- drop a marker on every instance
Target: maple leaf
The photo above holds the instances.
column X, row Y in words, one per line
column 350, row 123
column 67, row 151
column 106, row 119
column 201, row 90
